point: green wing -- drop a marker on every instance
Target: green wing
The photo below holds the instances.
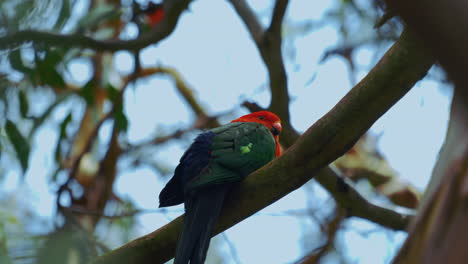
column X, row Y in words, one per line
column 237, row 150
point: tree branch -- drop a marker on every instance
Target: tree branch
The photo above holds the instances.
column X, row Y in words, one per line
column 250, row 19
column 348, row 197
column 401, row 67
column 269, row 43
column 173, row 10
column 278, row 15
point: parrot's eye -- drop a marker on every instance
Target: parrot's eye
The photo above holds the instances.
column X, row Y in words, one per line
column 261, row 117
column 275, row 131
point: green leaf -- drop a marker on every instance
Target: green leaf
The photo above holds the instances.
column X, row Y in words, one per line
column 51, row 77
column 64, row 15
column 46, row 69
column 23, row 104
column 120, row 118
column 16, row 62
column 87, row 92
column 19, row 143
column 53, row 57
column 64, row 124
column 62, row 136
column 112, row 92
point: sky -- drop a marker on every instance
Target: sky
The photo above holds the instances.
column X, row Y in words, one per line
column 214, row 53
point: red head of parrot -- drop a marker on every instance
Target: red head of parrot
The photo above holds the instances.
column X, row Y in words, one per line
column 268, row 119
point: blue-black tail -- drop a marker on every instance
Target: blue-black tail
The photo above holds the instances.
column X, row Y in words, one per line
column 201, row 214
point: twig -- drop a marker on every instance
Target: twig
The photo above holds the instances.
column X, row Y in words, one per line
column 331, row 230
column 232, row 249
column 347, row 197
column 77, row 210
column 250, row 20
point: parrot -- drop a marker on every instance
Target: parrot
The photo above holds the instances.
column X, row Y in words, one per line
column 216, row 160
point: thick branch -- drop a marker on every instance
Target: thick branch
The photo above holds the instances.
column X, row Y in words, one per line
column 173, row 10
column 402, row 66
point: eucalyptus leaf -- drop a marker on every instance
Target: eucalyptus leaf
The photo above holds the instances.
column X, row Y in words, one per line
column 62, row 136
column 23, row 104
column 50, row 76
column 47, row 69
column 112, row 93
column 87, row 92
column 16, row 62
column 120, row 118
column 64, row 15
column 19, row 143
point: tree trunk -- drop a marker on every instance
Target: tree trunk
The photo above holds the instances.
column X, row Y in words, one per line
column 438, row 234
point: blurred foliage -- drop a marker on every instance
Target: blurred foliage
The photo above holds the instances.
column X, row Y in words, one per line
column 36, row 14
column 68, row 244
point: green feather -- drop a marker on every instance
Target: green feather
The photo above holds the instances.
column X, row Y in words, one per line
column 246, row 149
column 230, row 162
